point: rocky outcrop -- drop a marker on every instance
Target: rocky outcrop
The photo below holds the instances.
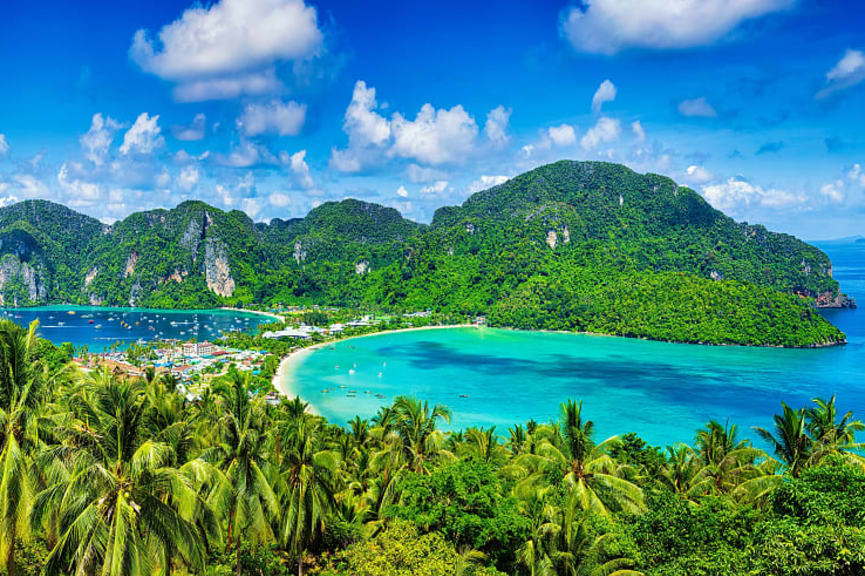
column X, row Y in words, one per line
column 91, row 276
column 299, row 252
column 552, row 239
column 20, row 282
column 217, row 271
column 130, row 264
column 361, row 267
column 834, row 300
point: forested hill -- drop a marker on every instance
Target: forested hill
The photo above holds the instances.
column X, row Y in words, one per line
column 573, row 245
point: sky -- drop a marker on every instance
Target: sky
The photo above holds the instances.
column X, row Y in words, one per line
column 275, row 106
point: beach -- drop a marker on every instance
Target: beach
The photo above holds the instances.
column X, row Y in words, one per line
column 281, row 379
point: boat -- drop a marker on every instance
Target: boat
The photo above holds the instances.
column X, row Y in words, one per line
column 464, row 395
column 90, row 321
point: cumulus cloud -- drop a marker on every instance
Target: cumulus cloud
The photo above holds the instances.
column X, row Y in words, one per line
column 833, row 191
column 246, row 154
column 606, row 92
column 562, row 135
column 496, row 128
column 188, row 178
column 402, row 192
column 434, row 136
column 219, row 51
column 608, row 26
column 697, row 107
column 97, row 141
column 638, row 130
column 848, row 72
column 285, row 119
column 736, row 194
column 194, row 131
column 857, row 175
column 78, row 192
column 417, row 173
column 143, row 137
column 279, row 199
column 4, row 146
column 605, row 131
column 486, row 181
column 698, row 175
column 297, row 164
column 435, row 188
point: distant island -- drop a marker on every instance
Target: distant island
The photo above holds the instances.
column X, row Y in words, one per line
column 575, row 246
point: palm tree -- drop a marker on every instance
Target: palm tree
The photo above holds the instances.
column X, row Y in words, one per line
column 587, row 469
column 244, row 494
column 831, row 436
column 727, row 461
column 791, row 442
column 121, row 500
column 308, row 474
column 21, row 394
column 416, row 425
column 483, row 445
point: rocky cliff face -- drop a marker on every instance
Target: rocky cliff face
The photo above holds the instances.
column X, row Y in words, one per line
column 21, row 283
column 216, row 269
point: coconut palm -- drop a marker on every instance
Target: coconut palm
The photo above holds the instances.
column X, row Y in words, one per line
column 416, row 424
column 830, row 435
column 586, row 468
column 308, row 474
column 790, row 441
column 727, row 461
column 243, row 495
column 21, row 394
column 122, row 508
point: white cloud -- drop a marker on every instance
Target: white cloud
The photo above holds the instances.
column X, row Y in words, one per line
column 194, row 131
column 496, row 128
column 246, row 154
column 833, row 191
column 848, row 72
column 486, row 181
column 857, row 175
column 606, row 92
column 285, row 119
column 215, row 48
column 144, row 136
column 252, row 206
column 251, row 84
column 698, row 175
column 297, row 164
column 79, row 192
column 638, row 130
column 435, row 188
column 6, row 200
column 608, row 26
column 434, row 136
column 417, row 173
column 97, row 141
column 4, row 146
column 563, row 135
column 735, row 194
column 363, row 125
column 188, row 177
column 606, row 130
column 28, row 186
column 698, row 107
column 279, row 199
column 402, row 192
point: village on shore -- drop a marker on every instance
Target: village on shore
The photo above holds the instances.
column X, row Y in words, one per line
column 194, row 365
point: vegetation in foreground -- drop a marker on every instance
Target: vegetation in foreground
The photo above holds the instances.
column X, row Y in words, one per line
column 102, row 475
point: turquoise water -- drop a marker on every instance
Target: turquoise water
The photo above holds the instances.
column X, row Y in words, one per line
column 98, row 328
column 662, row 391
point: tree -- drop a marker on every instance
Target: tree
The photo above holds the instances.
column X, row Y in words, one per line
column 21, row 394
column 415, row 424
column 791, row 442
column 122, row 499
column 244, row 494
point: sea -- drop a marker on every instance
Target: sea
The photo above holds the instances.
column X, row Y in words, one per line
column 662, row 391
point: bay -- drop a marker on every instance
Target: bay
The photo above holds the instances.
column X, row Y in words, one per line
column 662, row 391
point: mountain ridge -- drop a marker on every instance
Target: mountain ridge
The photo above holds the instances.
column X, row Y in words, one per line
column 561, row 246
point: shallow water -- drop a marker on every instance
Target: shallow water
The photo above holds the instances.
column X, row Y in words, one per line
column 662, row 391
column 99, row 328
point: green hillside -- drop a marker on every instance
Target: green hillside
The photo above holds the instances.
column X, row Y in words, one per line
column 587, row 246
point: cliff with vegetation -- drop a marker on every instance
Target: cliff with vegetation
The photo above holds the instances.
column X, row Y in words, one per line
column 586, row 246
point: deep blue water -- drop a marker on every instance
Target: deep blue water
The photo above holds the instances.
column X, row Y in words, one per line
column 662, row 391
column 98, row 328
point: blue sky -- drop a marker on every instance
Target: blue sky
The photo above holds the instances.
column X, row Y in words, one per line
column 274, row 106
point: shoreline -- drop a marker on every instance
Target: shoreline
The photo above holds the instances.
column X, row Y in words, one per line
column 280, row 380
column 256, row 312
